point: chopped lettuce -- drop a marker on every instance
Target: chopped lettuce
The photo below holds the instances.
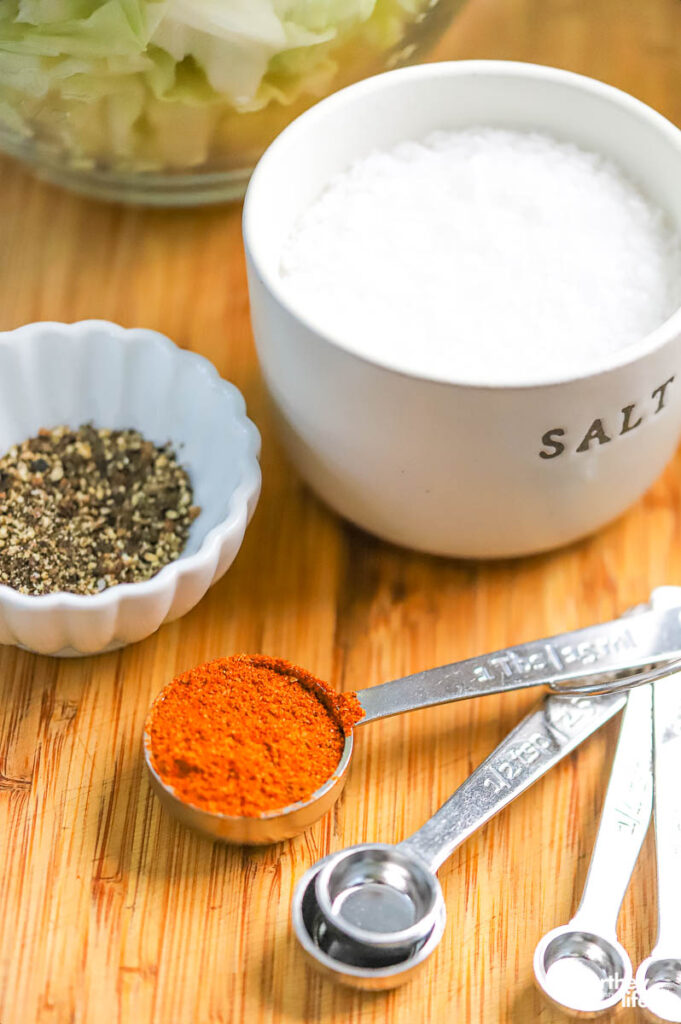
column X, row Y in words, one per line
column 150, row 84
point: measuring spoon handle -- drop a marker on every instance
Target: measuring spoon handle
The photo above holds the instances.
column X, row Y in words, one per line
column 667, row 755
column 624, row 819
column 545, row 736
column 621, row 645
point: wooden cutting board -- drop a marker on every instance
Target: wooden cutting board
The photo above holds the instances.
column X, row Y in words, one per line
column 111, row 912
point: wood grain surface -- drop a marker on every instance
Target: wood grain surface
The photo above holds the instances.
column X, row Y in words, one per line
column 109, row 911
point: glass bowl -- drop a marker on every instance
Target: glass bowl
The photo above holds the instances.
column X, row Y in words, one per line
column 172, row 102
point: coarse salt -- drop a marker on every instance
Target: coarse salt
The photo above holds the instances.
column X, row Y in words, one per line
column 484, row 255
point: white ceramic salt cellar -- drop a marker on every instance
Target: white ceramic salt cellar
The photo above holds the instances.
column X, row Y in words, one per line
column 473, row 470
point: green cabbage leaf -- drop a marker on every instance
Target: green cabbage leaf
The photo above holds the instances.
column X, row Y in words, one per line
column 147, row 81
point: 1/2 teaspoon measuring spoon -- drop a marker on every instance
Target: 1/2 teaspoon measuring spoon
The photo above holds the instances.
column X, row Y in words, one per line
column 370, row 915
column 596, row 659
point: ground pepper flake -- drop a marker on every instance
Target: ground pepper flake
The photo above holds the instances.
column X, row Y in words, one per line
column 248, row 734
column 84, row 509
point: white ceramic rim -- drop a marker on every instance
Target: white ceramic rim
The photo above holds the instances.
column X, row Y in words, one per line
column 448, row 69
column 246, row 489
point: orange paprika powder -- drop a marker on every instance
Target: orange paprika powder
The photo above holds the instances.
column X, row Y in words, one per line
column 248, row 734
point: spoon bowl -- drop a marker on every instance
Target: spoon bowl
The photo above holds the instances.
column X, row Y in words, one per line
column 263, row 829
column 658, row 983
column 346, row 962
column 582, row 971
column 379, row 898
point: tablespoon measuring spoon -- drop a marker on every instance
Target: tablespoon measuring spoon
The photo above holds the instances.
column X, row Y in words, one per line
column 581, row 966
column 597, row 659
column 371, row 914
column 588, row 660
column 658, row 979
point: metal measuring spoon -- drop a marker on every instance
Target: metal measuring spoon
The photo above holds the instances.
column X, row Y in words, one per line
column 370, row 915
column 581, row 966
column 596, row 659
column 658, row 979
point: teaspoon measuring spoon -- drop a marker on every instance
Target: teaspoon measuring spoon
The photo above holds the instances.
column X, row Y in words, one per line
column 658, row 979
column 596, row 659
column 581, row 966
column 370, row 915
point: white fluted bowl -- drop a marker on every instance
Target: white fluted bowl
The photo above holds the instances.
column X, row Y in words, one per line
column 95, row 371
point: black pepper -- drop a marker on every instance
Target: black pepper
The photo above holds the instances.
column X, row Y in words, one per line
column 82, row 510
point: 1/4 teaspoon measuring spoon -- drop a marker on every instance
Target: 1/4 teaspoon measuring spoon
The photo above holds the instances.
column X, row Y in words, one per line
column 581, row 966
column 370, row 915
column 596, row 659
column 658, row 979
